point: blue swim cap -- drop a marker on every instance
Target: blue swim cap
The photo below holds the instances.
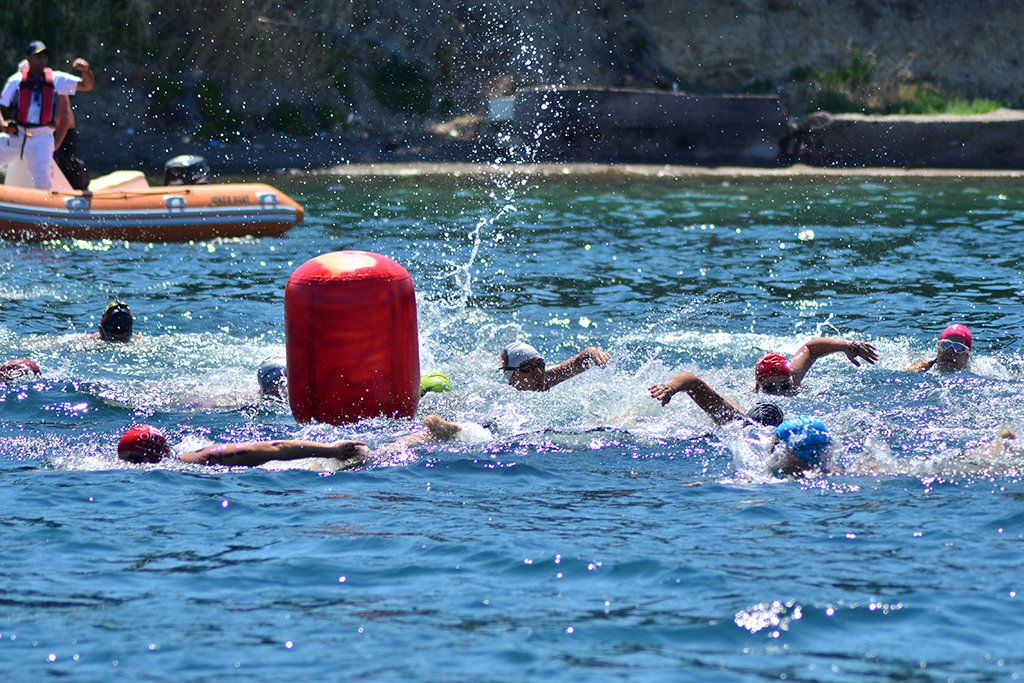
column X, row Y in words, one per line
column 271, row 370
column 807, row 437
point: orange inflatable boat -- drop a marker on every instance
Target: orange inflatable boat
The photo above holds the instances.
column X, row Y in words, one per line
column 122, row 206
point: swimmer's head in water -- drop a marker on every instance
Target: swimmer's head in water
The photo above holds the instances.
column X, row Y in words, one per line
column 17, row 369
column 143, row 443
column 806, row 437
column 959, row 333
column 768, row 414
column 514, row 355
column 772, row 371
column 116, row 323
column 272, row 371
column 435, row 381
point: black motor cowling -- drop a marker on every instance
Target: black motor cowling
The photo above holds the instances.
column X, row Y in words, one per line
column 186, row 169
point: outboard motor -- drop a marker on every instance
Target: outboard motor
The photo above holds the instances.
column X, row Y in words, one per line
column 187, row 169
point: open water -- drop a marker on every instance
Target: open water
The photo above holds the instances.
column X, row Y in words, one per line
column 597, row 536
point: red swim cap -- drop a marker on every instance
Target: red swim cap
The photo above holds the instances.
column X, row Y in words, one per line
column 19, row 368
column 957, row 331
column 143, row 443
column 772, row 365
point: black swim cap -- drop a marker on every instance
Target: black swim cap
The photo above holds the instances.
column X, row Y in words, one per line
column 767, row 414
column 117, row 320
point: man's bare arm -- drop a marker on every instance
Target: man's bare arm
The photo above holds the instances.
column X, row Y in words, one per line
column 256, row 453
column 707, row 399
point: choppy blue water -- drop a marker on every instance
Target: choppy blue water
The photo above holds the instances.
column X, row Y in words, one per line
column 598, row 536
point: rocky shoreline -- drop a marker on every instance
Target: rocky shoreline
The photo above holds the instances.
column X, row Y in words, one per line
column 856, row 145
column 261, row 157
column 277, row 153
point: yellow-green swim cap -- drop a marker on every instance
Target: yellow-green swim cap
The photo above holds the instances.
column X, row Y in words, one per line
column 435, row 381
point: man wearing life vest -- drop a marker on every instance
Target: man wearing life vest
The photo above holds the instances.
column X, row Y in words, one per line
column 28, row 111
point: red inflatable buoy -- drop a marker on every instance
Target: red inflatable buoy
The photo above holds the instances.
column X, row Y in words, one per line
column 351, row 339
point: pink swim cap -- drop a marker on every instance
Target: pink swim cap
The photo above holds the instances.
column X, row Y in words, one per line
column 19, row 368
column 957, row 330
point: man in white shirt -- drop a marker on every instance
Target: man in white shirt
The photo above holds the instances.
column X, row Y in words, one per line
column 28, row 111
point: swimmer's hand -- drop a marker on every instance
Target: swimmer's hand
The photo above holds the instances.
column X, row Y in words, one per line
column 662, row 392
column 351, row 450
column 863, row 350
column 594, row 356
column 440, row 429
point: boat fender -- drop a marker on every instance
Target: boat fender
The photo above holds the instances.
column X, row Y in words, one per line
column 351, row 339
column 175, row 202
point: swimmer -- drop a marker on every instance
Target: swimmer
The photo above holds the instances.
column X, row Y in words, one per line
column 802, row 445
column 272, row 376
column 116, row 323
column 525, row 370
column 18, row 369
column 1006, row 446
column 147, row 444
column 953, row 352
column 773, row 374
column 719, row 409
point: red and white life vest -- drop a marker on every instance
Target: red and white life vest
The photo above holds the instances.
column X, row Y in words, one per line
column 29, row 86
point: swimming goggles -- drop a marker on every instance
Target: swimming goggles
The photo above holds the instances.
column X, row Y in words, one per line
column 775, row 385
column 526, row 367
column 954, row 346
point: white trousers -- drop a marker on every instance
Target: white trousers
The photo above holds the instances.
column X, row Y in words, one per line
column 38, row 153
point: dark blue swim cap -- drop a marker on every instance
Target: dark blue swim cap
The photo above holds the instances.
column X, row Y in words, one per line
column 807, row 437
column 271, row 371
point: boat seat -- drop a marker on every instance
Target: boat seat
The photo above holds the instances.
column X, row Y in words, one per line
column 18, row 176
column 120, row 180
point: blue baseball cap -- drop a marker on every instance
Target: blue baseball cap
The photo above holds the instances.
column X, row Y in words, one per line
column 35, row 47
column 806, row 437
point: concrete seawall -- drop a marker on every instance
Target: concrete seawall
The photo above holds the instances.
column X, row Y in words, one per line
column 616, row 125
column 613, row 125
column 994, row 140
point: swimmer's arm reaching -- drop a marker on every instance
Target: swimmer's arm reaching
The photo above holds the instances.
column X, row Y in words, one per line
column 811, row 351
column 434, row 429
column 720, row 410
column 581, row 362
column 923, row 365
column 351, row 453
column 256, row 453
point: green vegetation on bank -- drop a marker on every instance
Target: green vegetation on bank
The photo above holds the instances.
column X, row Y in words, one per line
column 854, row 87
column 923, row 99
